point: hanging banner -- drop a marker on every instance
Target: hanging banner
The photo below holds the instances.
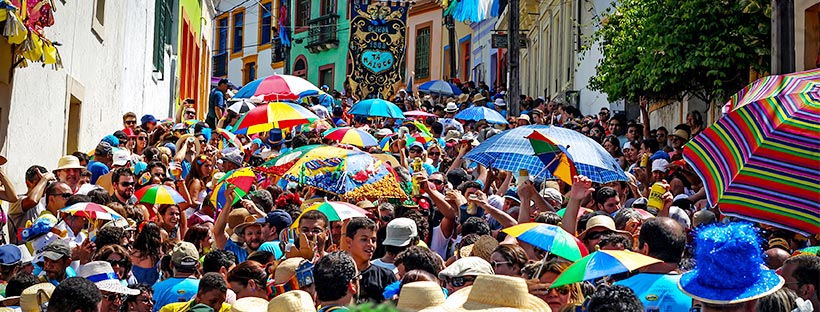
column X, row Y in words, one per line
column 377, row 48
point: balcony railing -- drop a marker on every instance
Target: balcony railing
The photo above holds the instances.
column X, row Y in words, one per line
column 220, row 66
column 322, row 34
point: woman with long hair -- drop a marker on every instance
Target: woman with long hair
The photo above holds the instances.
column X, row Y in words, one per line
column 141, row 143
column 508, row 260
column 612, row 145
column 554, row 297
column 200, row 236
column 198, row 177
column 172, row 221
column 147, row 253
column 248, row 279
column 119, row 259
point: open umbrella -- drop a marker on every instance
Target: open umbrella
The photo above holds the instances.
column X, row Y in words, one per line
column 226, row 137
column 275, row 88
column 159, row 194
column 510, row 150
column 439, row 87
column 91, row 211
column 555, row 156
column 282, row 163
column 478, row 113
column 352, row 136
column 334, row 210
column 760, row 161
column 242, row 178
column 602, row 263
column 275, row 115
column 418, row 113
column 550, row 238
column 376, row 108
column 241, row 106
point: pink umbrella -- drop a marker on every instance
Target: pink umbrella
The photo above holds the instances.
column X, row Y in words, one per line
column 275, row 88
column 418, row 113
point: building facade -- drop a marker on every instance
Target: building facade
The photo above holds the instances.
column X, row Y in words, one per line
column 483, row 56
column 319, row 45
column 424, row 49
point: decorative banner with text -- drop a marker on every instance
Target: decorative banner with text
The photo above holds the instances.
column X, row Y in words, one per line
column 377, row 48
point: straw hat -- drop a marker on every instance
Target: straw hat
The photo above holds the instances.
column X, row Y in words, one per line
column 33, row 297
column 197, row 145
column 601, row 222
column 484, row 246
column 417, row 296
column 249, row 304
column 479, row 97
column 102, row 274
column 463, row 97
column 495, row 293
column 236, row 217
column 292, row 301
column 286, row 269
column 68, row 162
column 248, row 221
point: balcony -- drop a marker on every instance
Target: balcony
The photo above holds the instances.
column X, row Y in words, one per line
column 220, row 66
column 322, row 34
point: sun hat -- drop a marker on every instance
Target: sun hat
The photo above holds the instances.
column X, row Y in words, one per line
column 102, row 274
column 33, row 297
column 217, row 176
column 601, row 221
column 729, row 267
column 467, row 266
column 703, row 217
column 287, row 269
column 249, row 220
column 681, row 134
column 479, row 97
column 185, row 255
column 513, row 195
column 551, row 193
column 121, row 157
column 200, row 307
column 56, row 250
column 452, row 135
column 232, row 155
column 500, row 102
column 482, row 248
column 627, row 145
column 183, row 138
column 292, row 301
column 495, row 293
column 68, row 162
column 10, row 254
column 365, row 204
column 524, row 117
column 451, row 107
column 249, row 304
column 421, row 295
column 463, row 97
column 659, row 165
column 384, row 132
column 237, row 217
column 400, row 232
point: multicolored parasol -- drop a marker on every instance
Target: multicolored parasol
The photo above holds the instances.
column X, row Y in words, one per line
column 602, row 263
column 554, row 156
column 760, row 160
column 418, row 113
column 159, row 194
column 275, row 88
column 91, row 211
column 335, row 211
column 376, row 108
column 550, row 238
column 352, row 136
column 242, row 178
column 275, row 115
column 280, row 164
column 226, row 137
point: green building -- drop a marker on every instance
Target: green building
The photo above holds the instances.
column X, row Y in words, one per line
column 319, row 43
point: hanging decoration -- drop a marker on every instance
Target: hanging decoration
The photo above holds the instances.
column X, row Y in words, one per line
column 471, row 11
column 22, row 23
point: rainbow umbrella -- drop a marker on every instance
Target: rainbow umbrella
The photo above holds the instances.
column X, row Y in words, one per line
column 352, row 174
column 274, row 115
column 242, row 178
column 159, row 194
column 218, row 196
column 227, row 137
column 555, row 156
column 280, row 164
column 275, row 88
column 351, row 136
column 334, row 210
column 550, row 238
column 602, row 263
column 91, row 211
column 811, row 250
column 760, row 160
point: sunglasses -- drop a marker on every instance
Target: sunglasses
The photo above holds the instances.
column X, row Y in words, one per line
column 415, row 150
column 562, row 290
column 130, row 122
column 190, row 112
column 434, row 154
column 459, row 281
column 114, row 297
column 63, row 195
column 142, row 138
column 121, row 262
column 127, row 184
column 597, row 235
column 436, row 182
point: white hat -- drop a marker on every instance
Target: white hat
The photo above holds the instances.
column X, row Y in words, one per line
column 500, row 102
column 25, row 254
column 451, row 107
column 249, row 304
column 400, row 232
column 467, row 266
column 659, row 165
column 552, row 193
column 627, row 145
column 417, row 296
column 524, row 117
column 68, row 162
column 121, row 157
column 384, row 132
column 102, row 274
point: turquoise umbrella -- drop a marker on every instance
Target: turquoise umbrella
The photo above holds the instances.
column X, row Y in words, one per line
column 376, row 108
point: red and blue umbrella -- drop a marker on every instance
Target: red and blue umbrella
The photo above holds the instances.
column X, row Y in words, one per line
column 352, row 136
column 554, row 155
column 275, row 88
column 159, row 194
column 275, row 115
column 602, row 263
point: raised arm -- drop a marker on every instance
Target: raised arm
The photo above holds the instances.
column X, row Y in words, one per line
column 581, row 188
column 36, row 193
column 220, row 237
column 449, row 221
column 500, row 216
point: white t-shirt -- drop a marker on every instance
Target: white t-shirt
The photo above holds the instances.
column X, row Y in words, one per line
column 389, row 266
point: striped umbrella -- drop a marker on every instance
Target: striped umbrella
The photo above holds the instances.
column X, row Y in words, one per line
column 550, row 238
column 91, row 211
column 334, row 210
column 760, row 160
column 418, row 113
column 602, row 263
column 477, row 113
column 275, row 88
column 282, row 163
column 227, row 138
column 275, row 115
column 555, row 156
column 159, row 194
column 352, row 136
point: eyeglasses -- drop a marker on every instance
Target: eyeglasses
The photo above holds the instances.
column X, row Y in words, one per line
column 142, row 138
column 495, row 264
column 459, row 281
column 130, row 122
column 121, row 262
column 436, row 182
column 63, row 195
column 434, row 154
column 597, row 235
column 127, row 184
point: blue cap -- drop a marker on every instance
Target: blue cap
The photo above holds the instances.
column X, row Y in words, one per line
column 659, row 155
column 512, row 194
column 171, row 147
column 111, row 140
column 9, row 254
column 277, row 218
column 257, row 141
column 148, row 118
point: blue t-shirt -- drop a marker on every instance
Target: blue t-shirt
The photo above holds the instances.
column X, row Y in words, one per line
column 175, row 289
column 239, row 251
column 272, row 247
column 658, row 291
column 97, row 169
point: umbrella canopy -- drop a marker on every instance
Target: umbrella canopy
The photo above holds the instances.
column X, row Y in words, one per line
column 275, row 88
column 760, row 161
column 477, row 113
column 241, row 106
column 418, row 113
column 275, row 115
column 282, row 163
column 602, row 263
column 159, row 194
column 335, row 211
column 242, row 178
column 352, row 136
column 324, row 98
column 439, row 87
column 226, row 137
column 550, row 238
column 376, row 108
column 91, row 211
column 554, row 156
column 349, row 173
column 511, row 150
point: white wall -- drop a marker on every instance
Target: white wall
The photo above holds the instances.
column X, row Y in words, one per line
column 483, row 51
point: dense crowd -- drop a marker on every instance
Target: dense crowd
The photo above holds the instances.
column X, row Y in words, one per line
column 447, row 247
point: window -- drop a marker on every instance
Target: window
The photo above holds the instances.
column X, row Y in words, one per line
column 265, row 20
column 75, row 93
column 302, row 13
column 98, row 21
column 326, row 75
column 300, row 67
column 222, row 34
column 422, row 67
column 328, row 7
column 249, row 68
column 162, row 33
column 237, row 41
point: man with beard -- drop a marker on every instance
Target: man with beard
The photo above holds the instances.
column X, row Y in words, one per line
column 124, row 181
column 249, row 230
column 68, row 171
column 56, row 262
column 272, row 224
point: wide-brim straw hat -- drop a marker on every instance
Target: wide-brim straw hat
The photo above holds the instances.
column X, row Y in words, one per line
column 417, row 296
column 602, row 221
column 494, row 293
column 292, row 301
column 68, row 162
column 33, row 297
column 249, row 304
column 286, row 269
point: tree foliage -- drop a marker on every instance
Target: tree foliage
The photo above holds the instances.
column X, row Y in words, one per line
column 664, row 49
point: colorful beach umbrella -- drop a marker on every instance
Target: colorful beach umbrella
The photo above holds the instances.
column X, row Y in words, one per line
column 226, row 137
column 477, row 113
column 418, row 113
column 811, row 250
column 275, row 88
column 242, row 178
column 159, row 194
column 241, row 106
column 282, row 163
column 275, row 115
column 602, row 263
column 554, row 156
column 334, row 210
column 550, row 238
column 91, row 211
column 760, row 161
column 352, row 136
column 376, row 108
column 439, row 87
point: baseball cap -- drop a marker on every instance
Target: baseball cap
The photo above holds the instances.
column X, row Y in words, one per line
column 9, row 254
column 121, row 157
column 277, row 218
column 104, row 148
column 56, row 250
column 121, row 135
column 185, row 255
column 417, row 144
column 659, row 165
column 400, row 232
column 232, row 155
column 148, row 118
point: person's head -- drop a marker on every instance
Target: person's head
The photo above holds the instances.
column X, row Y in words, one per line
column 212, row 291
column 103, row 153
column 56, row 257
column 169, row 215
column 57, row 195
column 802, row 275
column 401, row 233
column 200, row 236
column 694, row 119
column 219, row 261
column 661, row 135
column 614, row 126
column 248, row 279
column 607, row 200
column 508, row 260
column 335, row 278
column 17, row 283
column 75, row 294
column 612, row 145
column 462, row 272
column 223, row 84
column 614, row 241
column 418, row 258
column 468, row 188
column 361, row 238
column 662, row 238
column 783, row 299
column 775, row 257
column 603, row 114
column 273, row 223
column 129, row 120
column 118, row 257
column 124, row 181
column 634, row 132
column 614, row 298
column 142, row 302
column 33, row 174
column 149, row 239
column 312, row 223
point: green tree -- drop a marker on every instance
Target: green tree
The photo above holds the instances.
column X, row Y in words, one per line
column 664, row 49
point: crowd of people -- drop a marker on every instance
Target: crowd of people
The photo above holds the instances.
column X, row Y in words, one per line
column 444, row 248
